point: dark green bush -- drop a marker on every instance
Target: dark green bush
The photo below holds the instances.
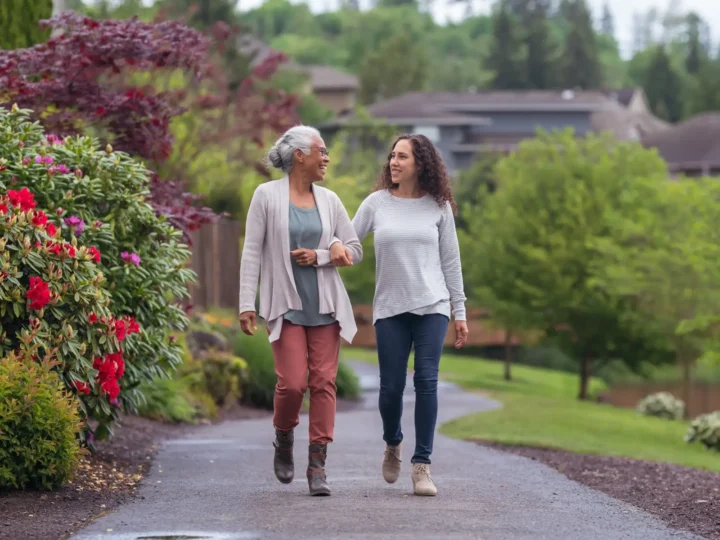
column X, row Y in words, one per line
column 259, row 384
column 347, row 382
column 39, row 426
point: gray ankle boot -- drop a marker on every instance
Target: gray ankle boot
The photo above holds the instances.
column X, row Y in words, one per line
column 283, row 463
column 317, row 482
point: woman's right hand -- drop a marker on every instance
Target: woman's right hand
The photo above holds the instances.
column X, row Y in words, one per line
column 340, row 255
column 248, row 322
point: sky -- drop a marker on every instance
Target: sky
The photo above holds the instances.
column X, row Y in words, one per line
column 623, row 10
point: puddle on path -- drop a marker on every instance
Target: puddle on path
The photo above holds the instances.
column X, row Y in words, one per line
column 168, row 535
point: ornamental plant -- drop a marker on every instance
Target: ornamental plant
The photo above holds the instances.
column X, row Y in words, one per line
column 662, row 405
column 98, row 198
column 132, row 82
column 39, row 424
column 706, row 430
column 54, row 306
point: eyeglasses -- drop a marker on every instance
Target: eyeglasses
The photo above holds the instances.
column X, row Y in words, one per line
column 323, row 150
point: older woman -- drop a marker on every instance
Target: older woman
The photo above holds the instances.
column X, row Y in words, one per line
column 302, row 298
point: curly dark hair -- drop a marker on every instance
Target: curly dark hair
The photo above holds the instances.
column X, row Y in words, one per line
column 432, row 173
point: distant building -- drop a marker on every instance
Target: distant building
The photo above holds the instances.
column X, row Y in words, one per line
column 463, row 125
column 691, row 147
column 334, row 89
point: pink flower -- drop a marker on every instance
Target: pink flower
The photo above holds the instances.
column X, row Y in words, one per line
column 132, row 258
column 63, row 169
column 38, row 159
column 76, row 224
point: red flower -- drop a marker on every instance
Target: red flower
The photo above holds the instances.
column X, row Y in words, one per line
column 69, row 249
column 95, row 254
column 132, row 326
column 82, row 387
column 55, row 248
column 120, row 329
column 118, row 361
column 39, row 218
column 111, row 388
column 92, row 318
column 38, row 294
column 3, row 208
column 23, row 198
column 51, row 230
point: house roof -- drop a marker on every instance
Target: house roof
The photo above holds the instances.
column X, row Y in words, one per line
column 329, row 78
column 623, row 95
column 692, row 143
column 439, row 104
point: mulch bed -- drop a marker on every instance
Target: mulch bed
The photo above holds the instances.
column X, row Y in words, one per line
column 104, row 481
column 683, row 498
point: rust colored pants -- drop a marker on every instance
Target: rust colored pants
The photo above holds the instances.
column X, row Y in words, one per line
column 306, row 356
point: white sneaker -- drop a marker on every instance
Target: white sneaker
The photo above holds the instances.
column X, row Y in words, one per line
column 391, row 463
column 422, row 483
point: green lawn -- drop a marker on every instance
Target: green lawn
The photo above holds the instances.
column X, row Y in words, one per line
column 540, row 409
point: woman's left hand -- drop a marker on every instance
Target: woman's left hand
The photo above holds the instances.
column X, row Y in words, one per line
column 461, row 334
column 304, row 257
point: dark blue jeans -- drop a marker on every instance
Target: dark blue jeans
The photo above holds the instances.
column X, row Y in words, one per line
column 396, row 336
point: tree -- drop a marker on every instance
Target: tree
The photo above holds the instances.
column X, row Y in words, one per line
column 543, row 236
column 539, row 45
column 674, row 270
column 664, row 87
column 582, row 63
column 507, row 55
column 398, row 65
column 694, row 59
column 705, row 88
column 19, row 20
column 607, row 22
column 105, row 75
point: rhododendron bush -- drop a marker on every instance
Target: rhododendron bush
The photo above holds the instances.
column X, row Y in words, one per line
column 53, row 304
column 84, row 209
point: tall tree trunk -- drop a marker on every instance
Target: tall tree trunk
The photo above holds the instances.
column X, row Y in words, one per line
column 585, row 369
column 508, row 355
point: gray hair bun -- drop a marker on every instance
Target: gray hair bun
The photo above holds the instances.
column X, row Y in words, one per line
column 296, row 138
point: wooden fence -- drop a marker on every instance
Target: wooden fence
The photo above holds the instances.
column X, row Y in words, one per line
column 216, row 261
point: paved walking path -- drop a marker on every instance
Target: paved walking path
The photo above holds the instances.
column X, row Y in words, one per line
column 218, row 484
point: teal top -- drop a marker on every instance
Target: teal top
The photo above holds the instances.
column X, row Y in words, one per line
column 305, row 229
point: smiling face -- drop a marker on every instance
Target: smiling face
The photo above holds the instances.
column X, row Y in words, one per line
column 313, row 165
column 403, row 169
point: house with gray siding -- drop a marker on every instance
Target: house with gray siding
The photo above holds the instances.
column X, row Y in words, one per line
column 465, row 125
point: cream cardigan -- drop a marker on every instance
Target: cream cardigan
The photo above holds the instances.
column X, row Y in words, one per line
column 266, row 255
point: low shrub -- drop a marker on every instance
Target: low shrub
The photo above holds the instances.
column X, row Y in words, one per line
column 259, row 385
column 662, row 405
column 706, row 430
column 168, row 400
column 39, row 426
column 347, row 382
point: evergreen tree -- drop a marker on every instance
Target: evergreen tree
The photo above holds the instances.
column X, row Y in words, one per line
column 663, row 87
column 539, row 45
column 607, row 22
column 506, row 54
column 582, row 68
column 694, row 59
column 19, row 22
